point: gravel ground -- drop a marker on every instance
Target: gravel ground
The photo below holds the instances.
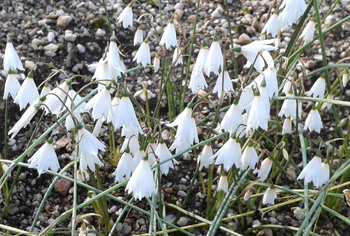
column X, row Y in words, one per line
column 77, row 43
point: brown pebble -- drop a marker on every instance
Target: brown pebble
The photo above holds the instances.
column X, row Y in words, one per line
column 169, row 190
column 62, row 186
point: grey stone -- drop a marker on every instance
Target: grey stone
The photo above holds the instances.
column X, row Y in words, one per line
column 183, row 221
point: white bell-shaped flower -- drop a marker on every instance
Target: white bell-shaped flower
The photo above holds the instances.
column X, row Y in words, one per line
column 143, row 55
column 251, row 51
column 325, row 105
column 102, row 74
column 246, row 99
column 26, row 117
column 223, row 83
column 73, row 100
column 233, row 120
column 292, row 11
column 163, row 153
column 313, row 171
column 98, row 126
column 248, row 194
column 325, row 172
column 289, row 107
column 132, row 143
column 28, row 92
column 177, row 56
column 197, row 80
column 113, row 110
column 115, row 66
column 214, row 61
column 138, row 38
column 345, row 79
column 264, row 170
column 54, row 99
column 287, row 126
column 186, row 127
column 318, row 88
column 223, row 184
column 139, row 155
column 126, row 17
column 45, row 90
column 269, row 196
column 308, row 33
column 142, row 94
column 313, row 121
column 204, row 156
column 125, row 116
column 151, row 152
column 11, row 59
column 141, row 183
column 156, row 63
column 229, row 154
column 88, row 143
column 249, row 157
column 258, row 115
column 100, row 103
column 89, row 161
column 169, row 36
column 270, row 75
column 271, row 26
column 45, row 158
column 126, row 166
column 12, row 86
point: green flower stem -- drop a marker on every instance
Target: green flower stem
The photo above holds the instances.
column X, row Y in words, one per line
column 17, row 231
column 275, row 227
column 154, row 210
column 189, row 60
column 325, row 68
column 336, row 102
column 75, row 195
column 109, row 22
column 6, row 131
column 198, row 217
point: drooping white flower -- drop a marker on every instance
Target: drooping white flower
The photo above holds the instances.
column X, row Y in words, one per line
column 271, row 26
column 141, row 183
column 233, row 120
column 126, row 166
column 69, row 122
column 269, row 196
column 246, row 99
column 163, row 153
column 270, row 75
column 223, row 184
column 88, row 146
column 325, row 105
column 318, row 88
column 177, row 56
column 169, row 36
column 229, row 154
column 204, row 156
column 100, row 103
column 313, row 121
column 132, row 143
column 115, row 66
column 12, row 86
column 214, row 60
column 54, row 99
column 223, row 83
column 345, row 79
column 248, row 194
column 292, row 10
column 45, row 90
column 102, row 74
column 180, row 146
column 251, row 51
column 126, row 17
column 98, row 126
column 88, row 161
column 325, row 172
column 28, row 92
column 139, row 155
column 11, row 59
column 26, row 117
column 249, row 157
column 308, row 33
column 73, row 99
column 138, row 38
column 264, row 170
column 156, row 63
column 258, row 116
column 151, row 152
column 186, row 127
column 142, row 94
column 45, row 158
column 143, row 55
column 289, row 107
column 287, row 126
column 125, row 116
column 313, row 171
column 197, row 80
column 113, row 110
